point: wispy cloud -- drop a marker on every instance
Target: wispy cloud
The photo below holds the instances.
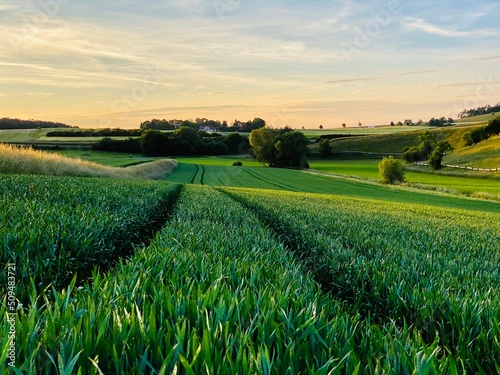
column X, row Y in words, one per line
column 419, row 24
column 418, row 72
column 339, row 81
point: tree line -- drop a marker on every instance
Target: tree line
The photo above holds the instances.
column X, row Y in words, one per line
column 204, row 123
column 482, row 133
column 184, row 141
column 105, row 132
column 15, row 123
column 479, row 111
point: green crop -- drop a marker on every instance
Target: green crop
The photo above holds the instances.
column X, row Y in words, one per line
column 435, row 270
column 52, row 228
column 253, row 282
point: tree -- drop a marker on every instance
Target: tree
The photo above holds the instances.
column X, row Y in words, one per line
column 154, row 143
column 392, row 170
column 284, row 148
column 187, row 141
column 436, row 157
column 292, row 150
column 262, row 141
column 237, row 143
column 325, row 148
column 493, row 127
column 475, row 136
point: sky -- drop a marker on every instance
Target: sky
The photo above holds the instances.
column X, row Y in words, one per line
column 111, row 63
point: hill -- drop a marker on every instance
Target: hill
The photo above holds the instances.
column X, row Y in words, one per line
column 483, row 155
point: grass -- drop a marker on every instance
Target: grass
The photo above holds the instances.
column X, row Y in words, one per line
column 302, row 181
column 365, row 130
column 22, row 135
column 52, row 228
column 368, row 169
column 485, row 154
column 477, row 119
column 28, row 161
column 111, row 159
column 252, row 281
column 439, row 284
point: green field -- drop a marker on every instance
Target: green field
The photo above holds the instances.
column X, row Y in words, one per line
column 245, row 281
column 364, row 130
column 112, row 159
column 303, row 181
column 222, row 269
column 22, row 136
column 477, row 119
column 368, row 168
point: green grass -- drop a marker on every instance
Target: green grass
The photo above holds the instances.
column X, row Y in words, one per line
column 313, row 133
column 477, row 119
column 223, row 161
column 302, row 181
column 22, row 136
column 261, row 282
column 52, row 228
column 485, row 154
column 367, row 168
column 408, row 264
column 111, row 159
column 76, row 140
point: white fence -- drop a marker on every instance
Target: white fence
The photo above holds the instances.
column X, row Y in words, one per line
column 462, row 167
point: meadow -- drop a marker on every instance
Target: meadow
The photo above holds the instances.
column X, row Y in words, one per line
column 248, row 281
column 220, row 269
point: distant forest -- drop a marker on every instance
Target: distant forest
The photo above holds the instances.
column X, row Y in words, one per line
column 14, row 123
column 479, row 111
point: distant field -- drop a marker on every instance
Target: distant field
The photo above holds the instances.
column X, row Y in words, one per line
column 477, row 119
column 30, row 135
column 301, row 181
column 112, row 159
column 220, row 160
column 46, row 139
column 369, row 169
column 311, row 133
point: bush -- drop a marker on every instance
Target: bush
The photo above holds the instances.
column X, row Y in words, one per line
column 237, row 164
column 392, row 170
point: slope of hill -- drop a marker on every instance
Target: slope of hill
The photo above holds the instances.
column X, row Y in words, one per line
column 485, row 154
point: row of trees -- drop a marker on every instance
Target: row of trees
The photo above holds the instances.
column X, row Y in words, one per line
column 479, row 111
column 186, row 141
column 202, row 123
column 482, row 133
column 14, row 123
column 105, row 132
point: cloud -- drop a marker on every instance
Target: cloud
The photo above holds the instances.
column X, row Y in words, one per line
column 338, row 81
column 417, row 72
column 41, row 94
column 419, row 24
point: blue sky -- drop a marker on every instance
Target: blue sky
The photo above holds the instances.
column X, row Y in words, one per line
column 118, row 63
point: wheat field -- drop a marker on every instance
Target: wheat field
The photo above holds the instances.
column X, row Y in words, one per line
column 29, row 161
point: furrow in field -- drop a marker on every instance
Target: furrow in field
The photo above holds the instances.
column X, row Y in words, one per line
column 195, row 174
column 202, row 174
column 399, row 264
